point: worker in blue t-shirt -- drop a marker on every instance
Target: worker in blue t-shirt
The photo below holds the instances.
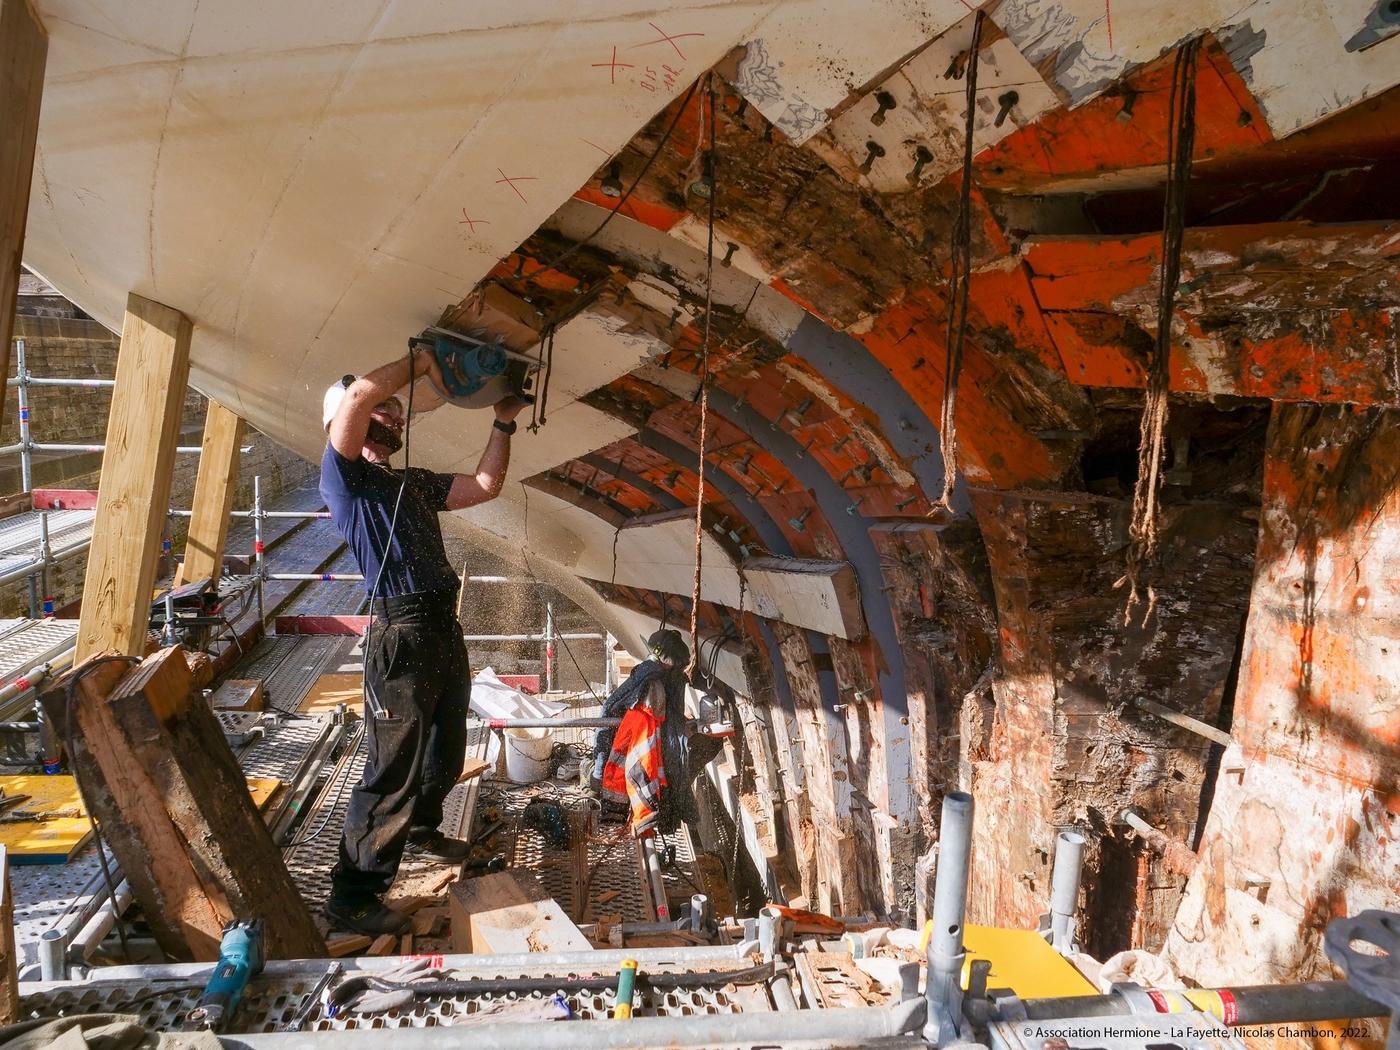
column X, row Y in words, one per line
column 417, row 678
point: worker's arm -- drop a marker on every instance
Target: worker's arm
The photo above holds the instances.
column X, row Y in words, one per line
column 351, row 421
column 470, row 489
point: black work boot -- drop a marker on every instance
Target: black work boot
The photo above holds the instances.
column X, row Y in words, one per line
column 370, row 917
column 431, row 844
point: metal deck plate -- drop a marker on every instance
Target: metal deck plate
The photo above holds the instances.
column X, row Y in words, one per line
column 271, row 1001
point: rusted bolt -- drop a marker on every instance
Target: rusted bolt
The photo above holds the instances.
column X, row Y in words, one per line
column 906, row 503
column 729, row 249
column 851, row 510
column 873, row 152
column 1006, row 102
column 743, row 465
column 922, row 155
column 886, row 102
column 800, row 522
column 795, row 414
column 956, row 66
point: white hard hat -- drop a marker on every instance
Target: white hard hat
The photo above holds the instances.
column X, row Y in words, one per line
column 335, row 393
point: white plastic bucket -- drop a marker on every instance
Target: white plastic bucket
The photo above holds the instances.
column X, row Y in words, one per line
column 527, row 754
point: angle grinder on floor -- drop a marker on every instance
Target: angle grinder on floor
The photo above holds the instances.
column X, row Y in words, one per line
column 241, row 957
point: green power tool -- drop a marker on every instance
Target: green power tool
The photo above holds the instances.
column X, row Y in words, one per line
column 241, row 957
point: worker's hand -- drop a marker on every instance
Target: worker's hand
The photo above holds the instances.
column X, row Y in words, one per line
column 425, row 363
column 508, row 407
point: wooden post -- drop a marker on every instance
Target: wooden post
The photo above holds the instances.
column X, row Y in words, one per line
column 23, row 48
column 175, row 809
column 133, row 496
column 213, row 496
column 9, row 962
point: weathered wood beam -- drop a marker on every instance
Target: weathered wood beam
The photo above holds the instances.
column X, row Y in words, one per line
column 1288, row 311
column 213, row 496
column 1301, row 829
column 24, row 48
column 133, row 496
column 9, row 961
column 175, row 808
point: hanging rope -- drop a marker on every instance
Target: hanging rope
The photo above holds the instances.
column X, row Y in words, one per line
column 960, row 265
column 704, row 384
column 1143, row 536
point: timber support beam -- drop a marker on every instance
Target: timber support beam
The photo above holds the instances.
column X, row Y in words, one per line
column 24, row 47
column 133, row 496
column 213, row 496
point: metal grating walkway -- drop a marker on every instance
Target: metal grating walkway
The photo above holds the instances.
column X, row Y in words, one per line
column 272, row 999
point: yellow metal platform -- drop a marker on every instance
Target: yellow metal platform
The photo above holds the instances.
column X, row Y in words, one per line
column 51, row 824
column 1023, row 961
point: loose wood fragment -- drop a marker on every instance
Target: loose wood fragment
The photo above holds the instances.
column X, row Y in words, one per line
column 384, row 944
column 347, row 944
column 510, row 912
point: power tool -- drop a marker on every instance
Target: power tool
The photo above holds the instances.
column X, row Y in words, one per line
column 241, row 957
column 477, row 372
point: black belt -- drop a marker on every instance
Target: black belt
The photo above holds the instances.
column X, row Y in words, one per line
column 418, row 605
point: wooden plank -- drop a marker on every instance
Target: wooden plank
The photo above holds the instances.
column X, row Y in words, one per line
column 809, row 592
column 347, row 944
column 159, row 777
column 213, row 496
column 24, row 48
column 510, row 912
column 238, row 694
column 133, row 496
column 9, row 965
column 332, row 690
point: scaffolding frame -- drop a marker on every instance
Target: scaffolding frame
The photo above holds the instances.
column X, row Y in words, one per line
column 36, row 570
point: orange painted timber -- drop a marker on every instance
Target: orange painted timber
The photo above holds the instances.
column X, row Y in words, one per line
column 1001, row 297
column 908, row 339
column 1095, row 139
column 1289, row 311
column 657, row 216
column 1317, row 683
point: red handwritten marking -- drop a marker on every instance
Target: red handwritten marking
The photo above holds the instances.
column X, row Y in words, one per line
column 613, row 66
column 511, row 180
column 1108, row 18
column 473, row 223
column 664, row 37
column 968, row 6
column 599, row 148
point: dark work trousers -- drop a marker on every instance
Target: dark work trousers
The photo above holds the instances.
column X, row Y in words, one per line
column 417, row 687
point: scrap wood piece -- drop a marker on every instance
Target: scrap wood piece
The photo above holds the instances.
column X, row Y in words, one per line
column 473, row 768
column 9, row 962
column 332, row 690
column 176, row 809
column 510, row 912
column 429, row 922
column 441, row 883
column 384, row 944
column 238, row 694
column 347, row 944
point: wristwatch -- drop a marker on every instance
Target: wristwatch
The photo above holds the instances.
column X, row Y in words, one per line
column 505, row 428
